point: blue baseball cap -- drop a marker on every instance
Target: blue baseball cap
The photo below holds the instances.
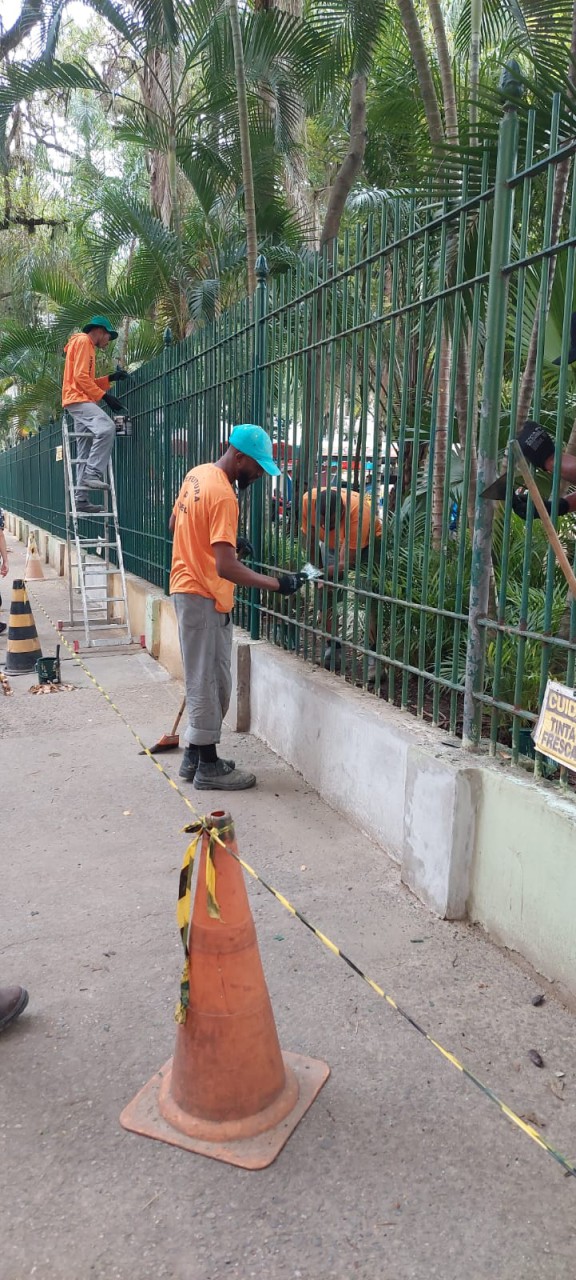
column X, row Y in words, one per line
column 256, row 444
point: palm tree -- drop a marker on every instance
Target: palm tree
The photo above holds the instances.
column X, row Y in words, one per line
column 245, row 148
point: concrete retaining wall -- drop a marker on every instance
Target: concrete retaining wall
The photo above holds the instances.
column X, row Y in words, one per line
column 523, row 876
column 472, row 837
column 391, row 773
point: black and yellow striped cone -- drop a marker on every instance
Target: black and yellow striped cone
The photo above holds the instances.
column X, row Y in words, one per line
column 23, row 648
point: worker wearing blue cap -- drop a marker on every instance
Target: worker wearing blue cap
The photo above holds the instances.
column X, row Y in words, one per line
column 205, row 569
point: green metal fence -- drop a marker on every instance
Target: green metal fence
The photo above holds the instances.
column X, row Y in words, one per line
column 367, row 366
column 527, row 621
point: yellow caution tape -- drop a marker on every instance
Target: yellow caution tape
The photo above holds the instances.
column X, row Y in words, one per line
column 183, row 907
column 505, row 1110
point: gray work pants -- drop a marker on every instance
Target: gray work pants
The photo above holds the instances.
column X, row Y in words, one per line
column 92, row 453
column 206, row 646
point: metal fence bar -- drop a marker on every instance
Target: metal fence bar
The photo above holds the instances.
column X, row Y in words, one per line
column 489, row 424
column 442, row 604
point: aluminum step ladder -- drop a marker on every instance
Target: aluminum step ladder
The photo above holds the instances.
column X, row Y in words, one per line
column 104, row 617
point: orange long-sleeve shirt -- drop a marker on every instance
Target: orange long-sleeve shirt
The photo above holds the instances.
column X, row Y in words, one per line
column 80, row 384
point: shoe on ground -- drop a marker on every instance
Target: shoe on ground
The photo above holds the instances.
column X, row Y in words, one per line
column 13, row 1001
column 189, row 765
column 94, row 480
column 335, row 649
column 3, row 627
column 88, row 508
column 220, row 777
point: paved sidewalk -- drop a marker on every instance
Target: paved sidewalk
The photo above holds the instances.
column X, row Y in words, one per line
column 402, row 1170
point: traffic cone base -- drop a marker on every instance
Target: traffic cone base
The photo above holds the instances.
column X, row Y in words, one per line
column 150, row 1112
column 229, row 1092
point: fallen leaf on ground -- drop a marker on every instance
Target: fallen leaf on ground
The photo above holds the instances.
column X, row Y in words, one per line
column 535, row 1057
column 531, row 1118
column 50, row 688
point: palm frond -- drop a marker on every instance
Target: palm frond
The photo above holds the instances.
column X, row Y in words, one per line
column 22, row 80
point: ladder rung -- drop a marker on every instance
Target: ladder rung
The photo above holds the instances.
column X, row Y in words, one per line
column 100, row 623
column 95, row 586
column 95, row 616
column 109, row 642
column 94, row 605
column 90, row 515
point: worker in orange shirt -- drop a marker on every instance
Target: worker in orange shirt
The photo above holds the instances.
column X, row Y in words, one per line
column 82, row 393
column 206, row 564
column 326, row 511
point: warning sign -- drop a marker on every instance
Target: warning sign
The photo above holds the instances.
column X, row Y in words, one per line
column 555, row 733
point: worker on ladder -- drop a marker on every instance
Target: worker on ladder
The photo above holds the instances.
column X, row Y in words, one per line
column 82, row 393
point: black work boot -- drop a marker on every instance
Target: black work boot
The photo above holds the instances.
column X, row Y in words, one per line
column 12, row 1002
column 89, row 508
column 220, row 777
column 189, row 764
column 94, row 480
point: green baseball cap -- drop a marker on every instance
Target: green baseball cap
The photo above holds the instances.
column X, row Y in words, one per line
column 256, row 444
column 100, row 322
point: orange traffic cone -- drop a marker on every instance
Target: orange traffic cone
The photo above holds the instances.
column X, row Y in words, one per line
column 33, row 567
column 23, row 646
column 229, row 1092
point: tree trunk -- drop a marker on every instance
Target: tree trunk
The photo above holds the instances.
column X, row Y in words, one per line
column 296, row 184
column 155, row 86
column 441, row 441
column 463, row 392
column 345, row 178
column 560, row 188
column 352, row 164
column 245, row 149
column 125, row 326
column 422, row 66
column 293, row 7
column 446, row 76
column 527, row 385
column 474, row 81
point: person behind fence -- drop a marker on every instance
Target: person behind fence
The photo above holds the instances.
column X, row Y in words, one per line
column 325, row 511
column 82, row 394
column 539, row 449
column 205, row 568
